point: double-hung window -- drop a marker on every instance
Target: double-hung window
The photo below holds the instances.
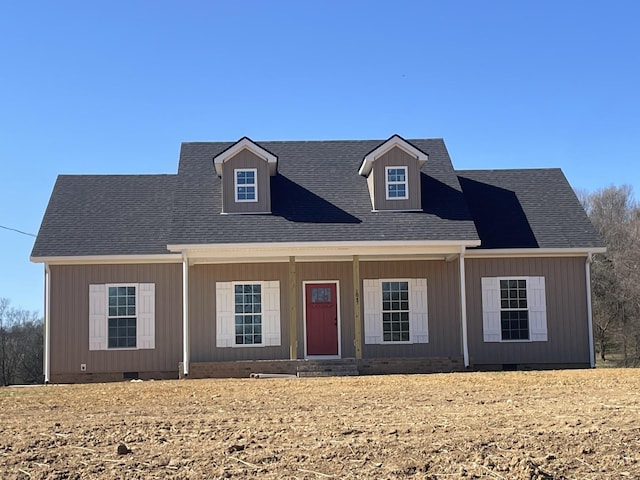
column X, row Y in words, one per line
column 122, row 315
column 246, row 186
column 514, row 312
column 396, row 183
column 395, row 311
column 122, row 318
column 248, row 314
column 514, row 309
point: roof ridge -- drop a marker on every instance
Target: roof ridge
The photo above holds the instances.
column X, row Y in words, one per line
column 327, row 140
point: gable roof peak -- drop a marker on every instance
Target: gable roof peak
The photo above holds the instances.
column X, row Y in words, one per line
column 394, row 140
column 245, row 143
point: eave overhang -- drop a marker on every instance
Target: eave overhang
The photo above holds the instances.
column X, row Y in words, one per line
column 315, row 251
column 253, row 147
column 108, row 259
column 393, row 141
column 533, row 252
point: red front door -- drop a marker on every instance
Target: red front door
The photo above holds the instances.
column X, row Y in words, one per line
column 322, row 318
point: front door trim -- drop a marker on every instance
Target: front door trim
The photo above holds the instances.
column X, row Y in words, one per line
column 304, row 319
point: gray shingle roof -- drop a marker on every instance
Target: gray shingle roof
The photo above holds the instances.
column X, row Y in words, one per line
column 526, row 208
column 107, row 215
column 317, row 196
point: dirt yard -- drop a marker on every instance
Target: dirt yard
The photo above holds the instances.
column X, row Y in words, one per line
column 513, row 425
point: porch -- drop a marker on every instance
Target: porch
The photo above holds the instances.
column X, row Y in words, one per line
column 316, row 368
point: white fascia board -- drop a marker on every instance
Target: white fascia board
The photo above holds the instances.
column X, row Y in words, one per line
column 204, row 260
column 316, row 250
column 109, row 259
column 247, row 143
column 394, row 141
column 533, row 252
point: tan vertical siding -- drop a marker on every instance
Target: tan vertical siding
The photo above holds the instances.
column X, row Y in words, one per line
column 566, row 311
column 396, row 157
column 70, row 318
column 246, row 159
column 443, row 289
column 202, row 300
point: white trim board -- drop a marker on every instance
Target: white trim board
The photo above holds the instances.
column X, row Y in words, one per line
column 109, row 259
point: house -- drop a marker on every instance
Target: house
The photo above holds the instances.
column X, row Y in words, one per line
column 272, row 256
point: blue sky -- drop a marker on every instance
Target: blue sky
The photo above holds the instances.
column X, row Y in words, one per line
column 114, row 87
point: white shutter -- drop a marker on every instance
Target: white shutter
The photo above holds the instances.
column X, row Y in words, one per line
column 146, row 327
column 491, row 309
column 537, row 309
column 372, row 295
column 98, row 339
column 419, row 329
column 271, row 313
column 224, row 314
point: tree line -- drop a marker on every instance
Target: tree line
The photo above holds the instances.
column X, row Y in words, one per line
column 615, row 275
column 21, row 345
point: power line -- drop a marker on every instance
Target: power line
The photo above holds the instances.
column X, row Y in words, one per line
column 18, row 231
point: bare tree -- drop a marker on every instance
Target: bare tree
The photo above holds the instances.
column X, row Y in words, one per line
column 21, row 345
column 616, row 274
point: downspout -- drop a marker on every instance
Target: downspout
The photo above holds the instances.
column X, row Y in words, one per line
column 587, row 270
column 46, row 367
column 185, row 314
column 463, row 308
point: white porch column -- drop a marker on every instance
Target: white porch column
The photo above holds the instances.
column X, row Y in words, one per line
column 185, row 314
column 46, row 367
column 587, row 269
column 463, row 308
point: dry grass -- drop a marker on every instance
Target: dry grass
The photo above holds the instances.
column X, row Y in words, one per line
column 513, row 425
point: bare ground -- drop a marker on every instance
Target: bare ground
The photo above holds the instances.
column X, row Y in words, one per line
column 518, row 425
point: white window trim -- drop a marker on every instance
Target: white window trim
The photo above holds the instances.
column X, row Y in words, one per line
column 99, row 317
column 304, row 303
column 254, row 184
column 373, row 323
column 106, row 292
column 535, row 335
column 522, row 340
column 233, row 290
column 409, row 288
column 405, row 183
column 269, row 338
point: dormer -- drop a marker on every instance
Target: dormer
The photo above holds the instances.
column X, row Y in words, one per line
column 393, row 175
column 246, row 170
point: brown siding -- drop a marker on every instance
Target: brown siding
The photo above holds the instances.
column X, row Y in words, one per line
column 343, row 272
column 202, row 310
column 566, row 312
column 70, row 318
column 443, row 289
column 396, row 157
column 246, row 159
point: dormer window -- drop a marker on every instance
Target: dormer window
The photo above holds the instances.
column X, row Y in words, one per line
column 394, row 178
column 245, row 169
column 396, row 183
column 245, row 184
